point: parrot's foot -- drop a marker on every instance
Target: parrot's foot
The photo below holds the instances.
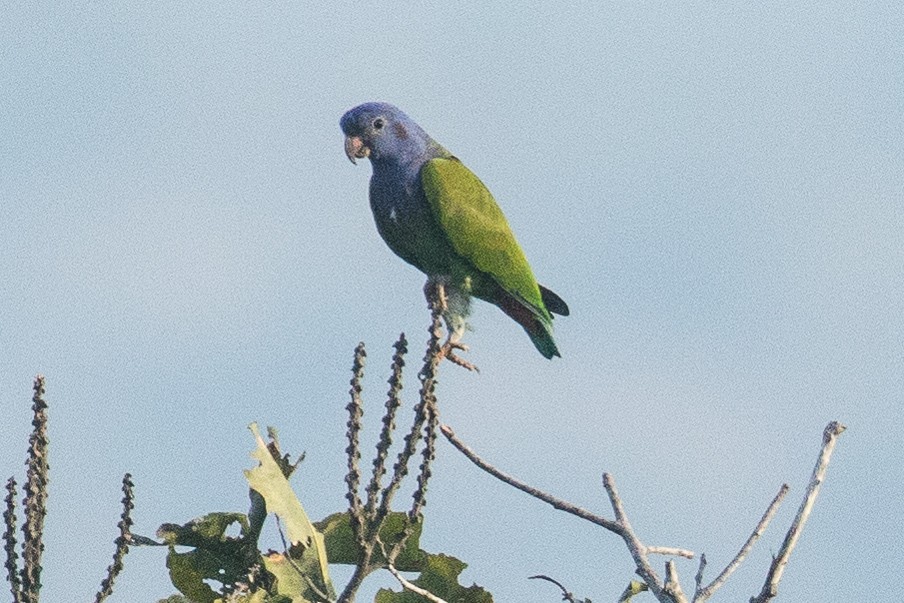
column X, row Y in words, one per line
column 454, row 310
column 435, row 292
column 447, row 352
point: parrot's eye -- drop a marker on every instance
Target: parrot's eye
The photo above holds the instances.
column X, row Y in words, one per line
column 378, row 123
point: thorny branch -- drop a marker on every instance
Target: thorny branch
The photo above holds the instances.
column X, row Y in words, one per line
column 25, row 582
column 9, row 541
column 367, row 518
column 35, row 501
column 122, row 541
column 670, row 590
column 393, row 402
column 355, row 410
column 425, row 406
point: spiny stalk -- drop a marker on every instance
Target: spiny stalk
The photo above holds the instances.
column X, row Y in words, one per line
column 122, row 541
column 35, row 501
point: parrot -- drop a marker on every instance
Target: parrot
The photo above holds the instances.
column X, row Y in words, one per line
column 438, row 216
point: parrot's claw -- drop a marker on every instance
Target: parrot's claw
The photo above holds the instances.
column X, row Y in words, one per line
column 438, row 297
column 447, row 352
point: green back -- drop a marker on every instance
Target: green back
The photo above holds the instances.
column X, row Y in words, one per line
column 478, row 230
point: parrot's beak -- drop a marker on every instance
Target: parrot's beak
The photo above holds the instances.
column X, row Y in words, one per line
column 355, row 148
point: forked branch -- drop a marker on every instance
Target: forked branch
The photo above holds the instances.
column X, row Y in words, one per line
column 703, row 593
column 669, row 590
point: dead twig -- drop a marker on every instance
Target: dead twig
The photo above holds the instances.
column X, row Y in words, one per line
column 566, row 594
column 407, row 585
column 621, row 526
column 777, row 568
column 557, row 503
column 703, row 593
column 662, row 591
column 669, row 590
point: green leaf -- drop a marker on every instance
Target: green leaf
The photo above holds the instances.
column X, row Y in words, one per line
column 290, row 584
column 260, row 596
column 216, row 556
column 342, row 547
column 187, row 573
column 635, row 587
column 209, row 530
column 440, row 577
column 306, row 545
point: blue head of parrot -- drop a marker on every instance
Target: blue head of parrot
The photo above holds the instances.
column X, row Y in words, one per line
column 382, row 132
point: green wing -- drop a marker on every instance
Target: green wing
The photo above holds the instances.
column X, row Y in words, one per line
column 479, row 232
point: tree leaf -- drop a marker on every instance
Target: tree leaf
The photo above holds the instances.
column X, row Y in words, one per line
column 290, row 584
column 216, row 556
column 440, row 577
column 188, row 572
column 635, row 587
column 306, row 545
column 342, row 547
column 209, row 530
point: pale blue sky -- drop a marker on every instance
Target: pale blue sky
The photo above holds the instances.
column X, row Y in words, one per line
column 716, row 190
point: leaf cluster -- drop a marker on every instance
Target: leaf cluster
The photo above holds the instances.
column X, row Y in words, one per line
column 300, row 572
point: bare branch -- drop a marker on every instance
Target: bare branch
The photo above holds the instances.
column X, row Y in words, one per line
column 557, row 503
column 566, row 595
column 621, row 526
column 413, row 587
column 351, row 589
column 670, row 551
column 777, row 568
column 635, row 547
column 704, row 593
column 698, row 578
column 672, row 585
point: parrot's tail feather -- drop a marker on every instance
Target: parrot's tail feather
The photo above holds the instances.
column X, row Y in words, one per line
column 539, row 330
column 543, row 341
column 553, row 302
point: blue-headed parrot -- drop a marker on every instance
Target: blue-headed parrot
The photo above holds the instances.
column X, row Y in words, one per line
column 435, row 214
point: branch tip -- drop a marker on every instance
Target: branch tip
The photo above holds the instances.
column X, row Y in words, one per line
column 779, row 562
